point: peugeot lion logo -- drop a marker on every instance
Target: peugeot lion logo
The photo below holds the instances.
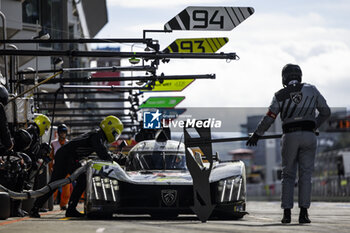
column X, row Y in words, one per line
column 169, row 196
column 296, row 97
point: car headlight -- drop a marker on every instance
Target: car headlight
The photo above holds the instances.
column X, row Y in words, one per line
column 98, row 184
column 106, row 180
column 114, row 182
column 105, row 188
column 229, row 190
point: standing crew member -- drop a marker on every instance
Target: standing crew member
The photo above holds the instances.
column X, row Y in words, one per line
column 297, row 103
column 68, row 156
column 55, row 145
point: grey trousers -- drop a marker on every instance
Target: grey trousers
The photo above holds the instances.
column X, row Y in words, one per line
column 298, row 151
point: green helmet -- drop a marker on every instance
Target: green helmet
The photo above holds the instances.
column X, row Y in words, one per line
column 43, row 123
column 112, row 127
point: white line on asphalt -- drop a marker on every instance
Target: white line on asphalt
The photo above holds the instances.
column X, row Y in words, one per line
column 261, row 218
column 100, row 230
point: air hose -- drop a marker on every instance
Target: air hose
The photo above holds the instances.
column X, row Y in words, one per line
column 51, row 186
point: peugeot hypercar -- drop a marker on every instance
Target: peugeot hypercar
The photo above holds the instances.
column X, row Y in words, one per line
column 155, row 180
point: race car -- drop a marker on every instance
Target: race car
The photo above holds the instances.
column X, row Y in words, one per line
column 156, row 181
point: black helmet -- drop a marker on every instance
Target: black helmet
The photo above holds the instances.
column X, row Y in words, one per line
column 291, row 72
column 22, row 140
column 4, row 95
column 62, row 128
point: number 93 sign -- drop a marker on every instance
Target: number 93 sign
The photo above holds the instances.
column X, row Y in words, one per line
column 209, row 18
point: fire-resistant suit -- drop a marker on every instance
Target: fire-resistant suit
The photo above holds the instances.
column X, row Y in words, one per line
column 297, row 104
column 68, row 156
column 65, row 190
column 67, row 161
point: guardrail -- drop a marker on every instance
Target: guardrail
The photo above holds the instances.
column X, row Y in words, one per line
column 331, row 188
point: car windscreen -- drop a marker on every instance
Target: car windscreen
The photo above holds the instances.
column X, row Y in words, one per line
column 158, row 160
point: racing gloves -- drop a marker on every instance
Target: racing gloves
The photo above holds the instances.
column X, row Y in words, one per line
column 253, row 139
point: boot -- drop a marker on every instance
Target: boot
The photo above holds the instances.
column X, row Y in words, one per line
column 16, row 210
column 34, row 212
column 72, row 212
column 19, row 213
column 286, row 216
column 303, row 216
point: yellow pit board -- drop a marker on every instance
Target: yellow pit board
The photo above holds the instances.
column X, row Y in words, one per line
column 196, row 45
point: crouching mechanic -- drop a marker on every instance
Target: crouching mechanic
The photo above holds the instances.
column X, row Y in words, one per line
column 38, row 150
column 296, row 103
column 68, row 156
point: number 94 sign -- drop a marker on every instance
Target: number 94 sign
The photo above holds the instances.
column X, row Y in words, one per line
column 209, row 18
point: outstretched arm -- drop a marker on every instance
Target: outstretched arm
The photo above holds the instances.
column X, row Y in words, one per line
column 265, row 123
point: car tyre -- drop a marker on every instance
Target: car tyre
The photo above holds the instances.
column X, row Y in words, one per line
column 5, row 209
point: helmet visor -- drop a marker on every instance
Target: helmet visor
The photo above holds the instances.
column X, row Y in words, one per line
column 62, row 130
column 115, row 134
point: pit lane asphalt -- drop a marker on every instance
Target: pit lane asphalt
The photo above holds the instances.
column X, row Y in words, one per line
column 330, row 217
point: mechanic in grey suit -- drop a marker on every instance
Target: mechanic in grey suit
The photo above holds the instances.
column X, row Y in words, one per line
column 297, row 104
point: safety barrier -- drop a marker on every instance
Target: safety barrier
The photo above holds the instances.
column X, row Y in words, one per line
column 331, row 188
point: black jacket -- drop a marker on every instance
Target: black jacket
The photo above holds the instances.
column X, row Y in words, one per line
column 5, row 136
column 85, row 144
